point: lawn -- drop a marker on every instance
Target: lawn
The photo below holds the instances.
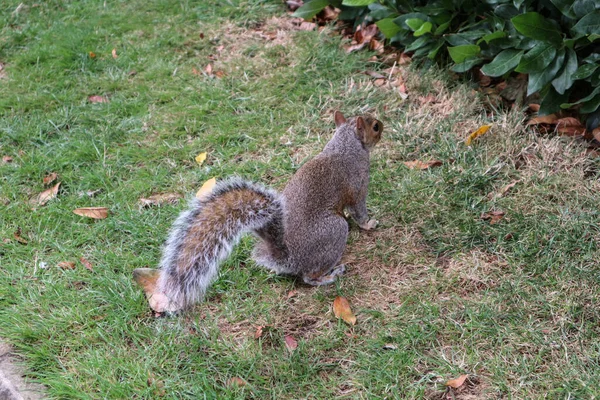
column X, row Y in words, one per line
column 438, row 290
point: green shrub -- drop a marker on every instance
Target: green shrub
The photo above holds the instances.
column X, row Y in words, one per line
column 555, row 42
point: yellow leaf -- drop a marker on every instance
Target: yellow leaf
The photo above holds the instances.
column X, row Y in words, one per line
column 200, row 158
column 458, row 382
column 482, row 130
column 341, row 309
column 206, row 188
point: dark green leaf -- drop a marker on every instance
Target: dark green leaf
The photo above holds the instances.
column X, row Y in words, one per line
column 537, row 80
column 583, row 7
column 591, row 105
column 593, row 120
column 388, row 27
column 506, row 11
column 379, row 11
column 584, row 71
column 537, row 59
column 442, row 28
column 586, row 98
column 551, row 101
column 505, row 61
column 565, row 77
column 309, row 10
column 491, row 36
column 420, row 42
column 425, row 28
column 357, row 3
column 467, row 64
column 461, row 53
column 589, row 24
column 565, row 7
column 401, row 20
column 435, row 50
column 592, row 58
column 535, row 26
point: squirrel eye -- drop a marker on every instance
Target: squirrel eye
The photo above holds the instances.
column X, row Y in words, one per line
column 376, row 127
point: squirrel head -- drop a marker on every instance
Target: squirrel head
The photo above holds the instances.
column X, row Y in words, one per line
column 368, row 129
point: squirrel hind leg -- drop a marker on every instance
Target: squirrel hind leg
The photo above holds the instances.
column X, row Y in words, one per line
column 327, row 278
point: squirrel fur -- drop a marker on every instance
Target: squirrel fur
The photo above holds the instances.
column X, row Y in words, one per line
column 301, row 231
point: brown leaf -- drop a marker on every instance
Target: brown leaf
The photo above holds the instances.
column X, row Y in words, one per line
column 292, row 293
column 114, row 53
column 341, row 309
column 329, row 13
column 45, row 196
column 596, row 133
column 259, row 332
column 290, row 343
column 92, row 54
column 571, row 130
column 545, row 119
column 208, row 69
column 569, row 122
column 502, row 191
column 422, row 164
column 196, row 72
column 7, row 159
column 354, row 47
column 379, row 82
column 404, row 59
column 160, row 199
column 307, row 26
column 293, row 5
column 67, row 264
column 18, row 237
column 219, row 74
column 236, row 381
column 533, row 107
column 493, row 216
column 376, row 45
column 458, row 382
column 51, row 177
column 86, row 263
column 92, row 212
column 375, row 74
column 98, row 99
column 427, row 99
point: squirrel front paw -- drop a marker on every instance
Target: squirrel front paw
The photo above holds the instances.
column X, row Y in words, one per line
column 370, row 224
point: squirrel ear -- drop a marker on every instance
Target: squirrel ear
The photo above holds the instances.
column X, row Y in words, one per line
column 339, row 118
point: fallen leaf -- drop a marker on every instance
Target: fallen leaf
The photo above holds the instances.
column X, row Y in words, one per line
column 86, row 263
column 379, row 82
column 219, row 74
column 427, row 99
column 92, row 54
column 501, row 192
column 92, row 212
column 422, row 164
column 329, row 13
column 207, row 188
column 458, row 382
column 291, row 294
column 474, row 135
column 236, row 381
column 307, row 26
column 159, row 199
column 376, row 45
column 290, row 343
column 375, row 74
column 259, row 332
column 354, row 47
column 341, row 309
column 208, row 69
column 45, row 196
column 545, row 119
column 569, row 122
column 196, row 72
column 404, row 59
column 7, row 159
column 67, row 264
column 571, row 130
column 493, row 216
column 51, row 177
column 18, row 237
column 97, row 99
column 532, row 107
column 596, row 133
column 114, row 53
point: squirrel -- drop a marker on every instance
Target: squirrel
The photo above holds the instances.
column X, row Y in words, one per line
column 301, row 231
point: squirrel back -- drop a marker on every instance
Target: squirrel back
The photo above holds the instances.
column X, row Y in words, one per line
column 301, row 232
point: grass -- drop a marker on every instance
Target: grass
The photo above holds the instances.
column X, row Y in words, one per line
column 512, row 304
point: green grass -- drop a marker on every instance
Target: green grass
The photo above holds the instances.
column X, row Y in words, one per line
column 513, row 304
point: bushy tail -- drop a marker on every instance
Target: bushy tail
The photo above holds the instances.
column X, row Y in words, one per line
column 203, row 236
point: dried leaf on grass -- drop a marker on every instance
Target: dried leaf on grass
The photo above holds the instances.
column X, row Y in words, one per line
column 502, row 191
column 493, row 216
column 66, row 265
column 92, row 212
column 92, row 54
column 18, row 237
column 290, row 343
column 160, row 199
column 51, row 177
column 458, row 382
column 44, row 197
column 98, row 99
column 236, row 381
column 86, row 263
column 544, row 119
column 259, row 331
column 341, row 309
column 114, row 53
column 207, row 188
column 291, row 294
column 417, row 164
column 7, row 159
column 479, row 132
column 362, row 37
column 200, row 158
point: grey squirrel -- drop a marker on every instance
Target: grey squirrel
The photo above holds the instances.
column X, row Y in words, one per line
column 301, row 231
